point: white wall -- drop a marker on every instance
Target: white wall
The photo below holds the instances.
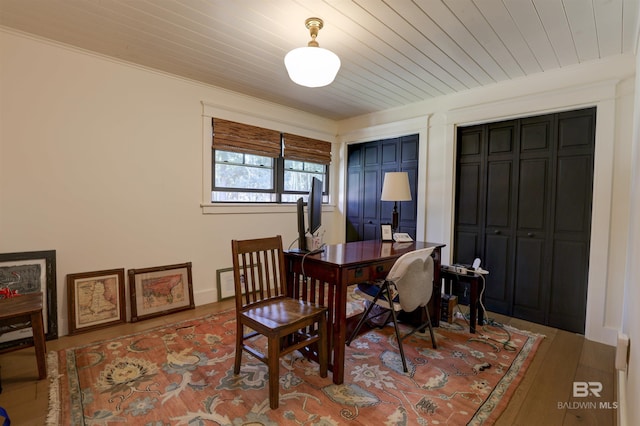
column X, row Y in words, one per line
column 102, row 162
column 608, row 85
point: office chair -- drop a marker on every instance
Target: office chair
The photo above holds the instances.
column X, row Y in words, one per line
column 409, row 285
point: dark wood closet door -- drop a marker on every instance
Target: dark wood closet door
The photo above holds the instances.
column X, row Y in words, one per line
column 523, row 205
column 572, row 203
column 497, row 231
column 366, row 165
column 532, row 233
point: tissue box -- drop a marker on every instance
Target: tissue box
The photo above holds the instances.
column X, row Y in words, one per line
column 313, row 243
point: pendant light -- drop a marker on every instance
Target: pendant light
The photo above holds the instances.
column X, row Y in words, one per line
column 312, row 66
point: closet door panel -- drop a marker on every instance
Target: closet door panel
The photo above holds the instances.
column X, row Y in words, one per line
column 535, row 135
column 467, row 245
column 371, row 203
column 354, row 201
column 354, row 205
column 501, row 138
column 408, row 161
column 575, row 130
column 499, row 180
column 568, row 295
column 498, row 259
column 528, row 300
column 532, row 194
column 574, row 192
column 470, row 143
column 408, row 212
column 371, row 156
column 389, row 153
column 469, row 195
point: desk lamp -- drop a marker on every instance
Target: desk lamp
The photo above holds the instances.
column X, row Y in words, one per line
column 395, row 188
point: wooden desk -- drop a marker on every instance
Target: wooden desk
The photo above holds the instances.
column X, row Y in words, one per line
column 340, row 265
column 29, row 307
column 476, row 285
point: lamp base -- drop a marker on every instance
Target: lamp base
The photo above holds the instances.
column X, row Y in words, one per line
column 394, row 217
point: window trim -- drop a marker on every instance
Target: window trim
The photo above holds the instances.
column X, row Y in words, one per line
column 245, row 139
column 315, row 127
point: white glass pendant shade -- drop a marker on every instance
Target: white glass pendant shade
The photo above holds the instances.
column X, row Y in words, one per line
column 312, row 66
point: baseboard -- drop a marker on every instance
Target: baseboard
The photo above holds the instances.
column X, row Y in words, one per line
column 622, row 398
column 204, row 297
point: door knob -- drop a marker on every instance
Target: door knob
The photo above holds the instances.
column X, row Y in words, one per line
column 530, row 234
column 497, row 232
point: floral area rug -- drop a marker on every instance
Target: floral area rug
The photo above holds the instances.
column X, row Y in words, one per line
column 183, row 375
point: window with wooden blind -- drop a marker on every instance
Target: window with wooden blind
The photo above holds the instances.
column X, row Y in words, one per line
column 253, row 164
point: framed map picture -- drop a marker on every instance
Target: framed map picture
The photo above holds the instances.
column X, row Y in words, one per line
column 29, row 272
column 96, row 300
column 160, row 290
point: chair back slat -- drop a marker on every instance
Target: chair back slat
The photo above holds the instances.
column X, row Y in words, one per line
column 258, row 270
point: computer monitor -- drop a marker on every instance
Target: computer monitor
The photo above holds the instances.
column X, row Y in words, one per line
column 302, row 230
column 315, row 206
column 314, row 214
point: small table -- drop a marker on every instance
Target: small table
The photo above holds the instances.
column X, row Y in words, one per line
column 476, row 284
column 29, row 307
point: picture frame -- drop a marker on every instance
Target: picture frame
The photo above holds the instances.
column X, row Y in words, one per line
column 386, row 232
column 160, row 290
column 225, row 284
column 29, row 272
column 96, row 300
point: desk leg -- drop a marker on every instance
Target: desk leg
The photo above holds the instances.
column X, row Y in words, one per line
column 437, row 300
column 339, row 334
column 436, row 297
column 39, row 343
column 473, row 304
column 481, row 311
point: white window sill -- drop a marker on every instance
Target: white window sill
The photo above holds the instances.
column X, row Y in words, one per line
column 258, row 208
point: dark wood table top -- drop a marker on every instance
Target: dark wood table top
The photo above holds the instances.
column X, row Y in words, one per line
column 20, row 305
column 361, row 252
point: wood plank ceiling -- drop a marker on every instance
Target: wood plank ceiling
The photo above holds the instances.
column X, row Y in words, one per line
column 393, row 52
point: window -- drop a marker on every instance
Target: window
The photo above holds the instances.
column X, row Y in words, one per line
column 239, row 177
column 251, row 164
column 297, row 179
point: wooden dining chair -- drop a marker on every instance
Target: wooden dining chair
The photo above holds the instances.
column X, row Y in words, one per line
column 263, row 307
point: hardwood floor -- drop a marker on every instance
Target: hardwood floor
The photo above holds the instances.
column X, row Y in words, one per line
column 543, row 398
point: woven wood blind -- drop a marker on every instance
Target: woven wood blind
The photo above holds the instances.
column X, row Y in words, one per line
column 239, row 137
column 306, row 149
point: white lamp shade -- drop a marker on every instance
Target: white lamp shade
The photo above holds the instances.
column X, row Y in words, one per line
column 396, row 187
column 312, row 66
